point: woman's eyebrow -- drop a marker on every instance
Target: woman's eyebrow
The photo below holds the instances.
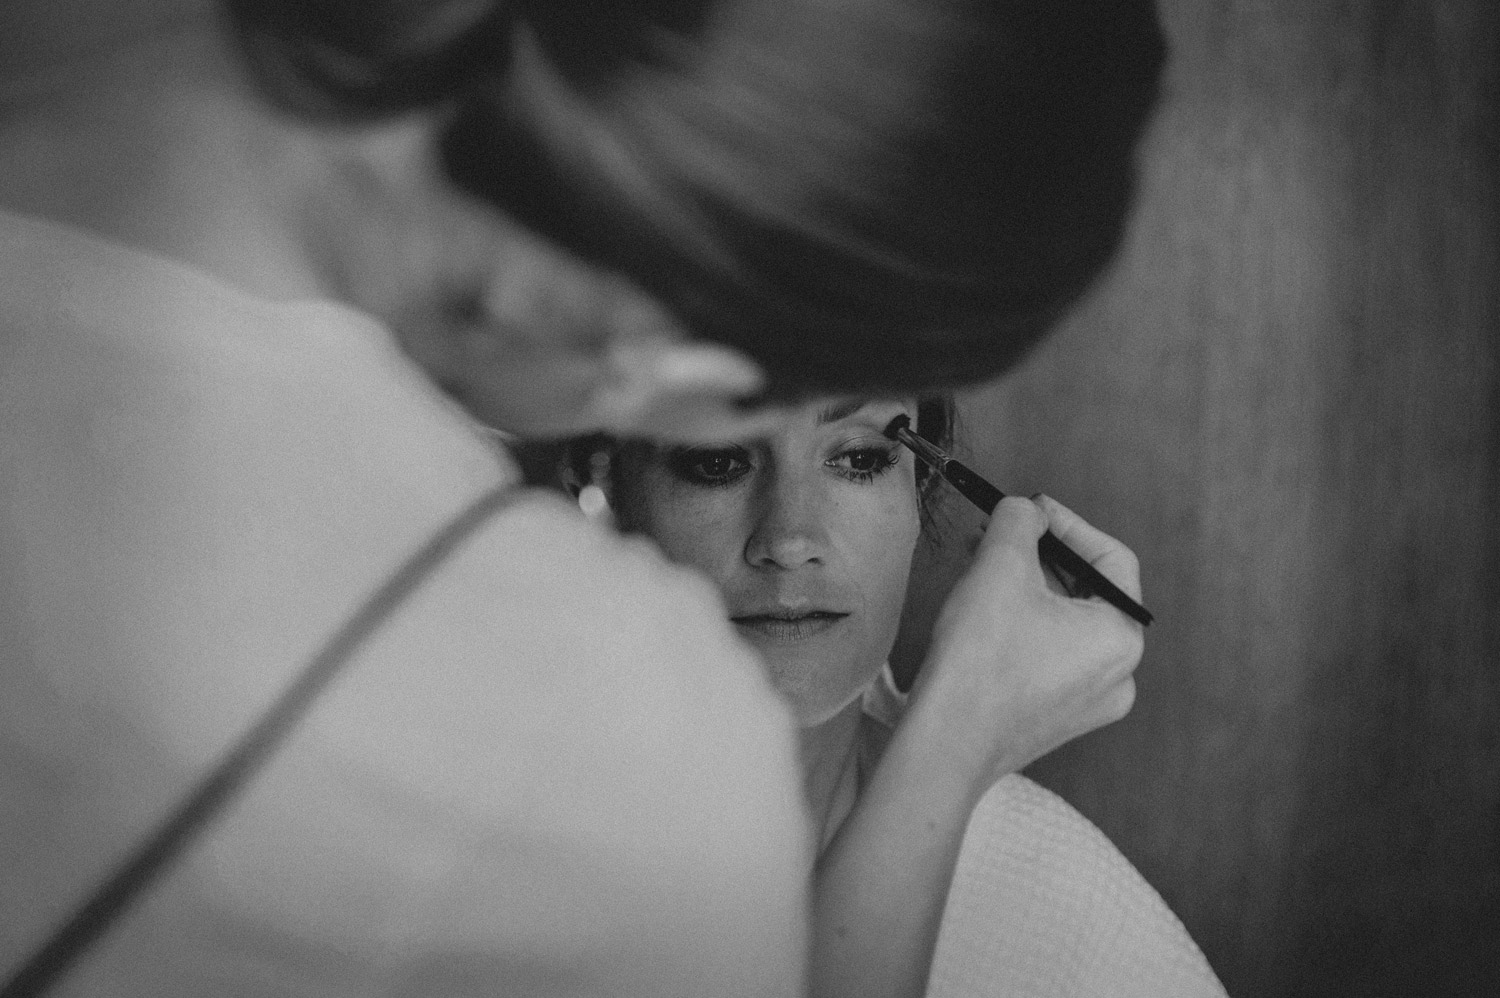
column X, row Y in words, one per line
column 841, row 410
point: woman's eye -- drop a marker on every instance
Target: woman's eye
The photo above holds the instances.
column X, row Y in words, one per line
column 864, row 463
column 715, row 467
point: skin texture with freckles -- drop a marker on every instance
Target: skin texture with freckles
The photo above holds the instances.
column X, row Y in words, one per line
column 808, row 534
column 810, row 518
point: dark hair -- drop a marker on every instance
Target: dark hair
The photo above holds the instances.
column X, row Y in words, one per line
column 887, row 196
column 936, row 415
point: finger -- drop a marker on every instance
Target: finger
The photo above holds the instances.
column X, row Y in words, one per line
column 1116, row 561
column 1120, row 701
column 1113, row 704
column 1016, row 523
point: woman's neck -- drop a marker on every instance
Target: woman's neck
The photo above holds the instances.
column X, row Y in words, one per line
column 829, row 779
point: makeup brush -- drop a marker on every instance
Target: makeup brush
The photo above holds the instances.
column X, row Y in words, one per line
column 1067, row 563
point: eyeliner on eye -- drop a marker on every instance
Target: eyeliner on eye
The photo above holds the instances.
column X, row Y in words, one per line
column 708, row 467
column 885, row 458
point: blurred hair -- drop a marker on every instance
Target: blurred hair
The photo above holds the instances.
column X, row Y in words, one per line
column 864, row 195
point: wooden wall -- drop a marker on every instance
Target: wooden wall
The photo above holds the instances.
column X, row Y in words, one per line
column 1286, row 399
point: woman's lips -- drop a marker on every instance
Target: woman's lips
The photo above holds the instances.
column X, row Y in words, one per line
column 789, row 628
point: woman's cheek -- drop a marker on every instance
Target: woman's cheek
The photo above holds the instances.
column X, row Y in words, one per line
column 891, row 538
column 697, row 533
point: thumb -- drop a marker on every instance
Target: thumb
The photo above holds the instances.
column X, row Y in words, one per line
column 1017, row 522
column 1016, row 526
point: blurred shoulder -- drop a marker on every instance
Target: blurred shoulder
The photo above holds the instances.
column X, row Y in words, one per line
column 563, row 599
column 558, row 762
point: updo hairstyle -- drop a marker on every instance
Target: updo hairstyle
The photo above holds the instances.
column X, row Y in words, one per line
column 866, row 196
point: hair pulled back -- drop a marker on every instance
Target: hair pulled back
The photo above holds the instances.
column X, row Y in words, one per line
column 863, row 195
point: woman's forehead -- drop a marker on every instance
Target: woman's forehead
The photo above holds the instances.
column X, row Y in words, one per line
column 793, row 421
column 819, row 415
column 822, row 412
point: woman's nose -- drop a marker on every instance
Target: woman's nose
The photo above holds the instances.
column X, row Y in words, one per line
column 790, row 531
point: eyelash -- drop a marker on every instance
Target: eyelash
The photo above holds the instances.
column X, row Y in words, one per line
column 689, row 465
column 886, row 458
column 686, row 466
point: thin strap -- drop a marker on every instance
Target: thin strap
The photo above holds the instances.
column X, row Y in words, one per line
column 244, row 760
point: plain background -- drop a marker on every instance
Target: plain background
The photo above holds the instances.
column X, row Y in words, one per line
column 1286, row 400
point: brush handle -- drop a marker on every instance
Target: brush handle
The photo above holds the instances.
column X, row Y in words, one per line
column 973, row 488
column 1057, row 554
column 1053, row 552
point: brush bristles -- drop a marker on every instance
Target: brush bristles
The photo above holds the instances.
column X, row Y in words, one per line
column 896, row 425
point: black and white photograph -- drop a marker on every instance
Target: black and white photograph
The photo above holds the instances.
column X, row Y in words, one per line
column 749, row 498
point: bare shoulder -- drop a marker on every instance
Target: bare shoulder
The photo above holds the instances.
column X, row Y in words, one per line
column 566, row 759
column 553, row 762
column 553, row 768
column 569, row 644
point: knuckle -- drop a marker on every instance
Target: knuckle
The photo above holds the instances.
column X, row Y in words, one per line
column 1133, row 645
column 1124, row 646
column 1124, row 698
column 1023, row 509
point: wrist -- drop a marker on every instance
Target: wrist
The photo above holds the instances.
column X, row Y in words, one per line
column 953, row 751
column 976, row 717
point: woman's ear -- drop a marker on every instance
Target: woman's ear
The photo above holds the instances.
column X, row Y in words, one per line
column 662, row 386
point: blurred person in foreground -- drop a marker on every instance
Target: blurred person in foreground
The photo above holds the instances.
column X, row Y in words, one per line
column 268, row 270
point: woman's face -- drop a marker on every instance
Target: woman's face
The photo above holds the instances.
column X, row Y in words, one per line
column 808, row 533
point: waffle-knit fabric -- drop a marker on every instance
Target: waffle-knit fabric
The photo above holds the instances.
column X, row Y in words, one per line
column 1044, row 906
